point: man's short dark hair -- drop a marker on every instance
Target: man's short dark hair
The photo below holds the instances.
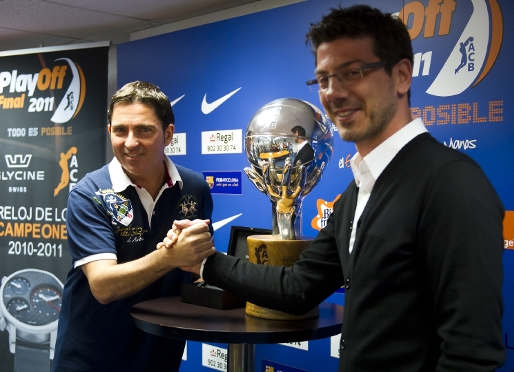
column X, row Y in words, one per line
column 300, row 130
column 147, row 94
column 391, row 40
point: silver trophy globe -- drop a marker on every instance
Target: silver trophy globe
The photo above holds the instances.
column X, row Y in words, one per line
column 277, row 167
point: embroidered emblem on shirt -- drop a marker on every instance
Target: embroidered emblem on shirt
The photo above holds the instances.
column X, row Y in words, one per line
column 187, row 206
column 119, row 208
column 133, row 234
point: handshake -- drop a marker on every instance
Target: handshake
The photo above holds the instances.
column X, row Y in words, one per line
column 187, row 244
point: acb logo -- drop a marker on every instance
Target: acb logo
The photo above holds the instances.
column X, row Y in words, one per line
column 468, row 36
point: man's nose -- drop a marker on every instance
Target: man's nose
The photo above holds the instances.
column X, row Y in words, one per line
column 131, row 141
column 335, row 88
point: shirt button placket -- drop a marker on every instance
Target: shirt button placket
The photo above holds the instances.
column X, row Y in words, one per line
column 342, row 346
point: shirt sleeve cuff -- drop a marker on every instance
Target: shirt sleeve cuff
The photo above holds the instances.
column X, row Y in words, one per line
column 95, row 257
column 201, row 267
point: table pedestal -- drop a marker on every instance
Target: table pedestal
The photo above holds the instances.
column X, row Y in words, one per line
column 241, row 357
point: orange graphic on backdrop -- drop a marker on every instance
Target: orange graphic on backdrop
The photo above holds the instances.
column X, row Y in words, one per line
column 63, row 163
column 508, row 230
column 324, row 211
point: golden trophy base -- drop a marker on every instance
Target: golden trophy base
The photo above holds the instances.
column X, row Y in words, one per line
column 272, row 250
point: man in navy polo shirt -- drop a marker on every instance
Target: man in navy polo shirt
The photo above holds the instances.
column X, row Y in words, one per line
column 116, row 216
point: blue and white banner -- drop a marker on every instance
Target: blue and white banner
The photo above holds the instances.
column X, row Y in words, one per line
column 226, row 71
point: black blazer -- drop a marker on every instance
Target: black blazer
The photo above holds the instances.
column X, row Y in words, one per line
column 305, row 155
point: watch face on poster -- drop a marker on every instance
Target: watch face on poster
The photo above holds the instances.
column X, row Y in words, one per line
column 31, row 300
column 47, row 303
column 30, row 303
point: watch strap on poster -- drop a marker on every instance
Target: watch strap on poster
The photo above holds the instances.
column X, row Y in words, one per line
column 31, row 357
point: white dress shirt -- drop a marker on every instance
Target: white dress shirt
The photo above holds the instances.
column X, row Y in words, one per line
column 367, row 170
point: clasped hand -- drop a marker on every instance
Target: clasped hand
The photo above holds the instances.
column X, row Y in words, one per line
column 190, row 242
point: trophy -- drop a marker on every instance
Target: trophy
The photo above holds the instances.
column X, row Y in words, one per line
column 288, row 143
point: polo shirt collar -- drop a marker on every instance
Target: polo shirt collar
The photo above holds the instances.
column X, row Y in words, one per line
column 120, row 181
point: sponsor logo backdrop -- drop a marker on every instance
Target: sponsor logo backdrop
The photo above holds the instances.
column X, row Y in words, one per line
column 220, row 74
column 52, row 132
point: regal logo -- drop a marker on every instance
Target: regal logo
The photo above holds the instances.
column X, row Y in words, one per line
column 476, row 48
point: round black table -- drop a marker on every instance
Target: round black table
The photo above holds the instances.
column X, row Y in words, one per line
column 170, row 317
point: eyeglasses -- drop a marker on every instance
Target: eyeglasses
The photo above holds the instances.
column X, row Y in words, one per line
column 345, row 77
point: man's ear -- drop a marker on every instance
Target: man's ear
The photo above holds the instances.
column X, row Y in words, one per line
column 403, row 71
column 168, row 134
column 109, row 128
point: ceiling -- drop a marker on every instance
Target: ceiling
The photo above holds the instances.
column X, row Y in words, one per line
column 43, row 23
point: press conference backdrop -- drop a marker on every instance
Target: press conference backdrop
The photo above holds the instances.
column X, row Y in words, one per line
column 461, row 88
column 53, row 104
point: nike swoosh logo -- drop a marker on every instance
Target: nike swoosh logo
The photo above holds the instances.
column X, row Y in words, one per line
column 207, row 108
column 218, row 224
column 178, row 99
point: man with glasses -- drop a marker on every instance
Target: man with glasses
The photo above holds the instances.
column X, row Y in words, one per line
column 416, row 239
